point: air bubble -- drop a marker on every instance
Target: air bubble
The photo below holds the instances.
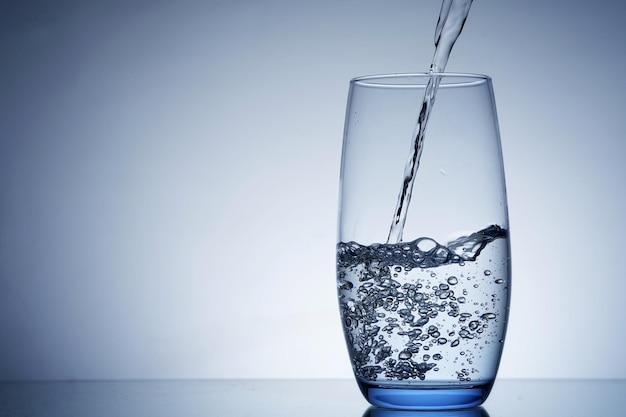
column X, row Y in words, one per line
column 405, row 355
column 425, row 244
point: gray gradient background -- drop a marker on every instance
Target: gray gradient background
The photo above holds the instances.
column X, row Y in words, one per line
column 169, row 176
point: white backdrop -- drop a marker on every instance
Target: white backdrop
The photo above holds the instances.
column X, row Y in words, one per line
column 169, row 177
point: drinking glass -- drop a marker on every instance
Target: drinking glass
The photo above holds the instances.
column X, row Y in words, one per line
column 424, row 317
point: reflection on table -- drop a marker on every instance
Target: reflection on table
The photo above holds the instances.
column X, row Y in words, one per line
column 302, row 398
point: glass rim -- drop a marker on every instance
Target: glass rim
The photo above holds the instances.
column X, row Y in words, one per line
column 420, row 80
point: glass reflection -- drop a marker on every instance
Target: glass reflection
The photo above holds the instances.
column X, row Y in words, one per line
column 383, row 412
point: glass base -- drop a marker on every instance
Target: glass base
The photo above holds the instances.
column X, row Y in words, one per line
column 445, row 397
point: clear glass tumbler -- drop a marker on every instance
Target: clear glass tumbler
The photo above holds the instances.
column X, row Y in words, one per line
column 424, row 317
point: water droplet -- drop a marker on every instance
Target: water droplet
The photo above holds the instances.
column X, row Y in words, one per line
column 487, row 272
column 453, row 280
column 499, row 281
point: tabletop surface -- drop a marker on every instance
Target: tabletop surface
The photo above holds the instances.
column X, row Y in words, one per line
column 302, row 398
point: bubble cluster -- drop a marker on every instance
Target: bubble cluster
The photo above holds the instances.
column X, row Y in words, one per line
column 411, row 311
column 420, row 253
